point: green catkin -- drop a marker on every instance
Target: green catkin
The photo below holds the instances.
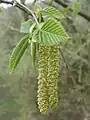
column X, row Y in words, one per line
column 53, row 74
column 48, row 77
column 43, row 99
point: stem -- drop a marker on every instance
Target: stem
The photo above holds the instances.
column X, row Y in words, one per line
column 30, row 11
column 22, row 7
column 57, row 1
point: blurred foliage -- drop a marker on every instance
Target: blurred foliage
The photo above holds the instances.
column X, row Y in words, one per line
column 18, row 91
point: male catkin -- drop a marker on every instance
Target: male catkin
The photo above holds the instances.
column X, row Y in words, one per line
column 43, row 102
column 53, row 74
column 48, row 77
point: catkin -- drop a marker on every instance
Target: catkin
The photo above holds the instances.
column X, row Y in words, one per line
column 53, row 74
column 43, row 102
column 48, row 77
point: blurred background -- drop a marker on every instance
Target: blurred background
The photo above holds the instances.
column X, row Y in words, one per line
column 18, row 91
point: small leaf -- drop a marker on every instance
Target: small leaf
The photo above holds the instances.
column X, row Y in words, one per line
column 25, row 26
column 37, row 7
column 18, row 53
column 52, row 32
column 33, row 52
column 53, row 12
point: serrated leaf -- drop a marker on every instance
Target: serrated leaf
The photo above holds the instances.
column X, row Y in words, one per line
column 52, row 32
column 18, row 53
column 53, row 12
column 33, row 52
column 25, row 26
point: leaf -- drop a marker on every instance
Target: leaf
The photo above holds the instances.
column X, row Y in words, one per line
column 18, row 53
column 37, row 10
column 53, row 12
column 37, row 7
column 33, row 52
column 25, row 26
column 52, row 32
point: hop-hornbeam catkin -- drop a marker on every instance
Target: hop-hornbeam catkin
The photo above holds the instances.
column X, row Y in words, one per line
column 43, row 99
column 53, row 74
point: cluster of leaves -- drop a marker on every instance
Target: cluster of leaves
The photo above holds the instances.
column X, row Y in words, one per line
column 69, row 102
column 48, row 32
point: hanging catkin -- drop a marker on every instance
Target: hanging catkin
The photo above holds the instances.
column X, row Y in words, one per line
column 43, row 99
column 48, row 77
column 53, row 74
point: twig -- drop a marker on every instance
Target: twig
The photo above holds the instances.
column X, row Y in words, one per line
column 74, row 82
column 11, row 3
column 19, row 5
column 29, row 11
column 6, row 2
column 22, row 7
column 79, row 13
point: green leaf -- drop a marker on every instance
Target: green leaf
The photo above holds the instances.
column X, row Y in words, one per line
column 52, row 32
column 33, row 52
column 25, row 26
column 53, row 12
column 18, row 53
column 37, row 8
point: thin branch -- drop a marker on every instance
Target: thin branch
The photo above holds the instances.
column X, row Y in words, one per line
column 7, row 2
column 74, row 82
column 29, row 11
column 22, row 7
column 11, row 3
column 79, row 13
